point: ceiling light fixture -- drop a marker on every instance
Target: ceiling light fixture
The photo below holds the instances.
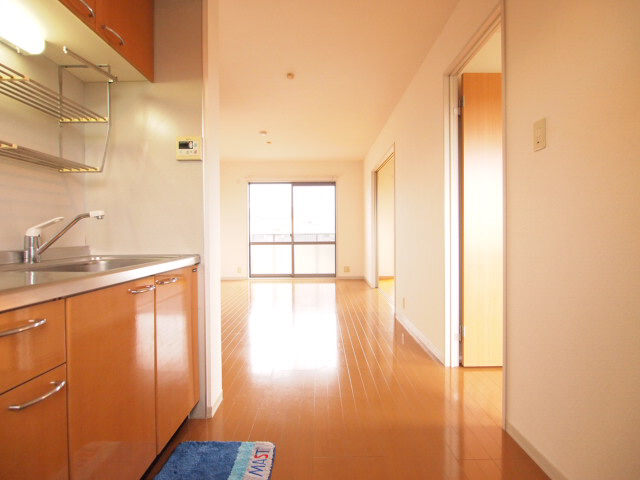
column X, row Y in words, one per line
column 291, row 76
column 19, row 28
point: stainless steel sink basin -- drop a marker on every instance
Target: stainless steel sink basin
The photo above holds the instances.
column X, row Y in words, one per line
column 100, row 265
column 88, row 264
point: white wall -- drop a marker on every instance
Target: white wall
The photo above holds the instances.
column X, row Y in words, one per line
column 386, row 220
column 416, row 127
column 153, row 202
column 573, row 235
column 212, row 334
column 31, row 194
column 236, row 175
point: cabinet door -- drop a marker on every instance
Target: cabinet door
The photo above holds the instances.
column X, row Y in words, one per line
column 84, row 9
column 110, row 361
column 176, row 371
column 33, row 439
column 128, row 27
column 31, row 342
column 195, row 354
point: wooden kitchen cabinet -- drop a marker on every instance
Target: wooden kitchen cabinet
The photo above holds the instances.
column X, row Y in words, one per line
column 33, row 407
column 127, row 26
column 84, row 9
column 31, row 342
column 177, row 384
column 110, row 360
column 34, row 436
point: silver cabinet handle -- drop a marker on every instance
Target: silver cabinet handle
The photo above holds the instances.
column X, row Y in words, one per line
column 142, row 289
column 167, row 281
column 194, row 269
column 59, row 386
column 34, row 323
column 111, row 30
column 88, row 7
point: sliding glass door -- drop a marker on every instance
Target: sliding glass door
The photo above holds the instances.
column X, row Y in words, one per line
column 292, row 229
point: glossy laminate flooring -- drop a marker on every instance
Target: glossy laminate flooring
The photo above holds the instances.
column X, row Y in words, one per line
column 386, row 285
column 321, row 369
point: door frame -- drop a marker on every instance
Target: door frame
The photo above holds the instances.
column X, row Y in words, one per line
column 374, row 216
column 374, row 241
column 452, row 192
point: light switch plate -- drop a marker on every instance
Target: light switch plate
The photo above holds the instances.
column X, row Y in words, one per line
column 189, row 148
column 540, row 134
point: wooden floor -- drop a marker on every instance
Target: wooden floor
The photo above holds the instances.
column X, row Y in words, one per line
column 386, row 286
column 321, row 369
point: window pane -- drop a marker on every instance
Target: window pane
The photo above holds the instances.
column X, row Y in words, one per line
column 270, row 212
column 315, row 259
column 270, row 259
column 314, row 213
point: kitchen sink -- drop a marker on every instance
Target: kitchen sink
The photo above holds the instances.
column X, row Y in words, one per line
column 100, row 265
column 91, row 264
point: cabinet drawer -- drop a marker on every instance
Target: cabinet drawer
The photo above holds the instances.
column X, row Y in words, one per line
column 33, row 440
column 32, row 341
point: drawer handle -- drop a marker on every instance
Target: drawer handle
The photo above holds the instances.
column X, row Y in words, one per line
column 167, row 281
column 142, row 289
column 88, row 7
column 59, row 386
column 35, row 323
column 116, row 34
column 194, row 270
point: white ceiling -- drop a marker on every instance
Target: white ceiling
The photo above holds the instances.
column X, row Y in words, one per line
column 352, row 60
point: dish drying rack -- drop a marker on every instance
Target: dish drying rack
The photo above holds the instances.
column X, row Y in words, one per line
column 20, row 87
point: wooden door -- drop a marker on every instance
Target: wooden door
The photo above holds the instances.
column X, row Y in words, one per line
column 481, row 219
column 176, row 366
column 110, row 367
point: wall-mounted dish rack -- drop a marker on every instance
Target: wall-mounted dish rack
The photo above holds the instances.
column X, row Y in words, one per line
column 20, row 87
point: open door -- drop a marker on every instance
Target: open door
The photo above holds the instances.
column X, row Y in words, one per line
column 481, row 219
column 385, row 227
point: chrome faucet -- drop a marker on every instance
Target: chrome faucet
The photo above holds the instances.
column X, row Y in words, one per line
column 32, row 247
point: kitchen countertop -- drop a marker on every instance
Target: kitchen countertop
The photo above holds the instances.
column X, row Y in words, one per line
column 23, row 286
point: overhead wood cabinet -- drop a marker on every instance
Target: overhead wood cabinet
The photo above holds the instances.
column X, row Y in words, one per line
column 176, row 351
column 110, row 355
column 125, row 25
column 84, row 9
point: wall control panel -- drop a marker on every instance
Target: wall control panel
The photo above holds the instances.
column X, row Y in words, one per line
column 189, row 148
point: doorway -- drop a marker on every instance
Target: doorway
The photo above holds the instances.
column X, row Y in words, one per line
column 385, row 227
column 292, row 229
column 476, row 220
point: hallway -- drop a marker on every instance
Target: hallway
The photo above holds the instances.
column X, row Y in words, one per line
column 320, row 368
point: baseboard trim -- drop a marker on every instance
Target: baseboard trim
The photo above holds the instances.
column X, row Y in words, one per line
column 419, row 337
column 212, row 409
column 341, row 277
column 551, row 470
